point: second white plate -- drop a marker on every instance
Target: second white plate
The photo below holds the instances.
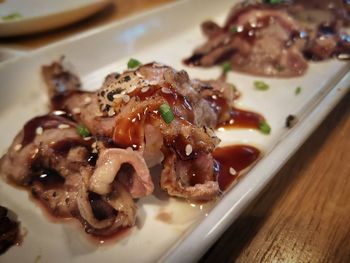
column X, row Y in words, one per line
column 18, row 17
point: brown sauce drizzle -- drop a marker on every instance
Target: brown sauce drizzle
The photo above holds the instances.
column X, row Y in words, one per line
column 242, row 119
column 49, row 121
column 48, row 178
column 248, row 32
column 196, row 174
column 62, row 147
column 238, row 157
column 179, row 144
column 129, row 132
column 172, row 97
column 237, row 118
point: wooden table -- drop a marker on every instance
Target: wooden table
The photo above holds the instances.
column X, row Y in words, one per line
column 304, row 213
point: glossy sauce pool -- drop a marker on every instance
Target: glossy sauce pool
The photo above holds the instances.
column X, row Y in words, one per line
column 231, row 160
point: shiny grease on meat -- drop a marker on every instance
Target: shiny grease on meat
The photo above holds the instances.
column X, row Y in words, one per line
column 96, row 178
column 272, row 40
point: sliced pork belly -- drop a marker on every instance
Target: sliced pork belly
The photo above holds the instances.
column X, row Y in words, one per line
column 271, row 40
column 60, row 83
column 136, row 97
column 253, row 40
column 193, row 179
column 47, row 156
column 95, row 177
column 64, row 92
column 105, row 214
column 108, row 165
column 56, row 163
column 126, row 109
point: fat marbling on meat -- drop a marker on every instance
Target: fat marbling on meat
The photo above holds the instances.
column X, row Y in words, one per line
column 96, row 177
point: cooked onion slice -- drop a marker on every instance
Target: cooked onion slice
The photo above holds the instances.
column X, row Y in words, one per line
column 108, row 166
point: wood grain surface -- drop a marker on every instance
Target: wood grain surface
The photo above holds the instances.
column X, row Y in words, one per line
column 304, row 213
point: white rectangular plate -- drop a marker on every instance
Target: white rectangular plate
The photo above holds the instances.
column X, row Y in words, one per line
column 166, row 35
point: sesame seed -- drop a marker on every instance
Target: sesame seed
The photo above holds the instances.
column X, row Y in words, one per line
column 139, row 74
column 232, row 171
column 94, row 147
column 188, row 149
column 18, row 147
column 39, row 130
column 87, row 100
column 144, row 89
column 87, row 138
column 126, row 98
column 111, row 112
column 76, row 111
column 153, row 82
column 166, row 90
column 63, row 126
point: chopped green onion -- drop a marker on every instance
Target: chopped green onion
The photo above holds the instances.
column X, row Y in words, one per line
column 226, row 67
column 133, row 63
column 264, row 127
column 279, row 67
column 166, row 113
column 233, row 86
column 297, row 90
column 83, row 131
column 234, row 30
column 260, row 85
column 273, row 2
column 12, row 16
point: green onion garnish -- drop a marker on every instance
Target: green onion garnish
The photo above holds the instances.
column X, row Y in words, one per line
column 297, row 90
column 133, row 63
column 226, row 67
column 264, row 127
column 12, row 16
column 273, row 2
column 260, row 85
column 234, row 30
column 83, row 131
column 166, row 113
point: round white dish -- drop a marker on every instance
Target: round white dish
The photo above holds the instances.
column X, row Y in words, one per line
column 34, row 16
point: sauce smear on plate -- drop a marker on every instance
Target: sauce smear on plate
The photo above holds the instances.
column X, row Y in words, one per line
column 231, row 160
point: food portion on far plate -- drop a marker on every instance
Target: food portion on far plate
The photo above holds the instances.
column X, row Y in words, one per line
column 89, row 157
column 274, row 38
